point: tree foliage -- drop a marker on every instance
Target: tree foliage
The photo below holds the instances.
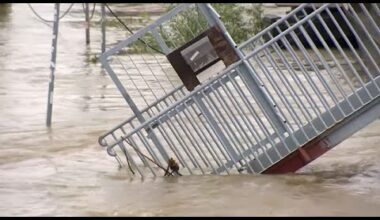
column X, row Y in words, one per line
column 242, row 21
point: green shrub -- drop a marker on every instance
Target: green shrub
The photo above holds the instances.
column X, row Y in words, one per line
column 242, row 21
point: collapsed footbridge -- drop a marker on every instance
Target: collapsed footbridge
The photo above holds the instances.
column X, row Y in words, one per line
column 271, row 105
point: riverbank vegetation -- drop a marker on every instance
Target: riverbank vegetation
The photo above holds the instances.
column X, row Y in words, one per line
column 241, row 20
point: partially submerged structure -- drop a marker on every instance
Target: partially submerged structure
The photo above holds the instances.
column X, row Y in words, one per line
column 270, row 105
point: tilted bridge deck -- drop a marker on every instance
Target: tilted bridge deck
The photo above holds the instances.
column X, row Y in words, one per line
column 289, row 99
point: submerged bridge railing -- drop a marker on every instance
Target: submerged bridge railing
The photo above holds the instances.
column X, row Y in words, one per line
column 295, row 80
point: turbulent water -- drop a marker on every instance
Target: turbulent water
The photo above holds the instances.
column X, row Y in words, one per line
column 63, row 171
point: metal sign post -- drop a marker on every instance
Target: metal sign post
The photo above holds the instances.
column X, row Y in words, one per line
column 87, row 12
column 52, row 65
column 103, row 24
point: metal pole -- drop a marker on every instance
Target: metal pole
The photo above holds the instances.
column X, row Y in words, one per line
column 52, row 65
column 103, row 23
column 87, row 12
column 249, row 76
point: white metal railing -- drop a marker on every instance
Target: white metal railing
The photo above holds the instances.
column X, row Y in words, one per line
column 295, row 79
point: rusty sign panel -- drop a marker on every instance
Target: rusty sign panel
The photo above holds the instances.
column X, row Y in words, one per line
column 209, row 50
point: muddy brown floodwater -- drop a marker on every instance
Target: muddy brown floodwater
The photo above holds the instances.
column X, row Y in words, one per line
column 63, row 171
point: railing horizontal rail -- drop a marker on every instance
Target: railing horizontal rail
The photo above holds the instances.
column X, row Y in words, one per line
column 296, row 79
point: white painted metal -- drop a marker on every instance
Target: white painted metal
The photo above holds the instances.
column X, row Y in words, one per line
column 289, row 87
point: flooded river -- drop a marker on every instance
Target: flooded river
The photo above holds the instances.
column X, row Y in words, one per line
column 62, row 171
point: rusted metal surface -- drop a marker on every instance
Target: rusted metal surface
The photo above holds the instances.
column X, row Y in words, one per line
column 299, row 158
column 321, row 144
column 222, row 48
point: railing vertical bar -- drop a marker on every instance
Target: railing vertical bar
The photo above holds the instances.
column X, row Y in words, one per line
column 256, row 134
column 142, row 158
column 258, row 122
column 201, row 135
column 130, row 158
column 303, row 90
column 317, row 91
column 283, row 99
column 342, row 52
column 325, row 65
column 135, row 145
column 219, row 136
column 184, row 146
column 374, row 5
column 320, row 38
column 194, row 146
column 368, row 15
column 358, row 38
column 197, row 145
column 308, row 116
column 239, row 143
column 222, row 120
column 216, row 111
column 189, row 138
column 246, row 122
column 279, row 135
column 305, row 73
column 148, row 147
column 174, row 148
column 234, row 120
column 353, row 49
column 215, row 139
column 279, row 72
